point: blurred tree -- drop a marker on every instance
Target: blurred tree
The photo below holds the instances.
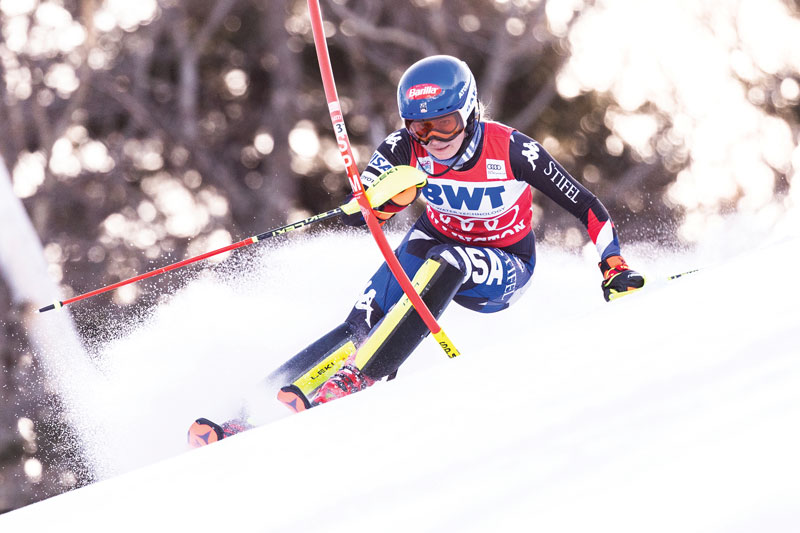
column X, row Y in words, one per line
column 40, row 453
column 142, row 132
column 39, row 456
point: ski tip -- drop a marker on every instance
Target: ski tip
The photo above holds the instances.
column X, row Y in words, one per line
column 292, row 397
column 203, row 432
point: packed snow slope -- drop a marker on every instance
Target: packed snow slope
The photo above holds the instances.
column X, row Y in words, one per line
column 674, row 409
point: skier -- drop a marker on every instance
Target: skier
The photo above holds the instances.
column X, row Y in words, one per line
column 474, row 244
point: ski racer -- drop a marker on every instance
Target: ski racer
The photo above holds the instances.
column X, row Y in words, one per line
column 473, row 245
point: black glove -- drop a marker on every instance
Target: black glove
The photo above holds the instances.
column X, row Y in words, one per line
column 618, row 279
column 354, row 219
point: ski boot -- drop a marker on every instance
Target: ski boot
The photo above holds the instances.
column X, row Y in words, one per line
column 345, row 382
column 203, row 431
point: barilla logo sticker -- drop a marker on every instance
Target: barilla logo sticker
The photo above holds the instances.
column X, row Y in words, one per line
column 423, row 90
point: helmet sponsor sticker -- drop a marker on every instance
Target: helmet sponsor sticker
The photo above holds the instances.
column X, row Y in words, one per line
column 422, row 91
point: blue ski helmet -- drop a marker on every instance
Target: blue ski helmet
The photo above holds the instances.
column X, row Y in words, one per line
column 436, row 86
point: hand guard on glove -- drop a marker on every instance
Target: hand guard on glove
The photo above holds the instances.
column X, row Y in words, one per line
column 618, row 278
column 387, row 210
column 397, row 203
column 390, row 193
column 384, row 212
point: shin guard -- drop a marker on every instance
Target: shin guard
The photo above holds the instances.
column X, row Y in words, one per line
column 398, row 333
column 309, row 369
column 390, row 342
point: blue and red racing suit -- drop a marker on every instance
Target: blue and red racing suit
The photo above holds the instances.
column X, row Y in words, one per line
column 478, row 218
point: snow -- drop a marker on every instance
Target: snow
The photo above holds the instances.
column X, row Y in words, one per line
column 674, row 409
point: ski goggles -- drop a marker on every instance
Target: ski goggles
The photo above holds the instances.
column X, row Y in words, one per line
column 444, row 128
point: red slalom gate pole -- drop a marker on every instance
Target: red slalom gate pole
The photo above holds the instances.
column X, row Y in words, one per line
column 353, row 176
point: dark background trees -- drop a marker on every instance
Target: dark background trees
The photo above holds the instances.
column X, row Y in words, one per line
column 138, row 136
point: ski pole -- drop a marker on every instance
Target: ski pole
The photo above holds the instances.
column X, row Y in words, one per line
column 676, row 276
column 246, row 242
column 353, row 176
column 388, row 184
column 657, row 282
